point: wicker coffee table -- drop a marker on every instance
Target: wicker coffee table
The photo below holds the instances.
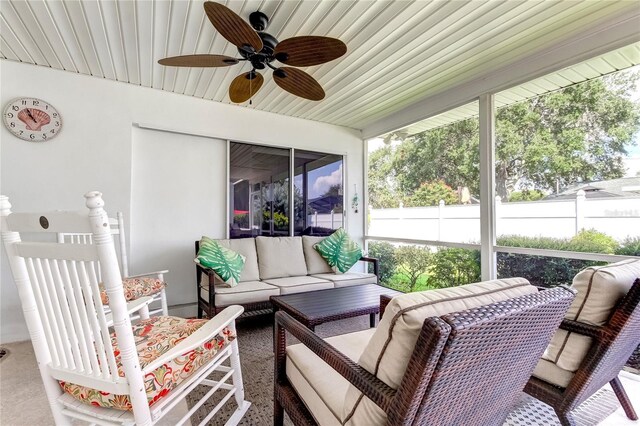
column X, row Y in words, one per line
column 317, row 307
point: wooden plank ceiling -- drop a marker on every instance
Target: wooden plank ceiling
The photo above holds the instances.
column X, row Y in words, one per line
column 398, row 51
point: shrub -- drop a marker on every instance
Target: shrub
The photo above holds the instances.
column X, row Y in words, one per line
column 526, row 195
column 454, row 267
column 629, row 247
column 430, row 194
column 413, row 261
column 551, row 271
column 385, row 253
column 592, row 241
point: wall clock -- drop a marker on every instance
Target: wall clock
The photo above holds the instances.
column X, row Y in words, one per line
column 32, row 119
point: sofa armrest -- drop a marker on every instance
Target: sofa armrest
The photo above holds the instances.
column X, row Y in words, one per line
column 372, row 387
column 376, row 265
column 581, row 328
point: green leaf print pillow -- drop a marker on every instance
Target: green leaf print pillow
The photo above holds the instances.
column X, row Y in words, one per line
column 340, row 251
column 226, row 263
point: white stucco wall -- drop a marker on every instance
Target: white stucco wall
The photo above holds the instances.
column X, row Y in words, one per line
column 100, row 148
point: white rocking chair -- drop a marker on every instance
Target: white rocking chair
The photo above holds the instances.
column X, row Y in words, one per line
column 74, row 347
column 158, row 295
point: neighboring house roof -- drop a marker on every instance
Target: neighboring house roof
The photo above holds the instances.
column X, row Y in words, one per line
column 612, row 188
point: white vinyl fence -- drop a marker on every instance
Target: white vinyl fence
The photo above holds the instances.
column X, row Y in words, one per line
column 617, row 217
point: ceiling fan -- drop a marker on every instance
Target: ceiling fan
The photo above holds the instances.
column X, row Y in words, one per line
column 260, row 49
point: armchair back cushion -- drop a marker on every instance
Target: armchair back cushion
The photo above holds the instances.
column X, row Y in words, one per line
column 315, row 262
column 280, row 257
column 599, row 290
column 247, row 248
column 389, row 350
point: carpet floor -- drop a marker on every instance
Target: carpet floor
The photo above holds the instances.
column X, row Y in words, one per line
column 256, row 357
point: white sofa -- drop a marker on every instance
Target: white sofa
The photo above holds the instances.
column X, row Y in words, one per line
column 273, row 266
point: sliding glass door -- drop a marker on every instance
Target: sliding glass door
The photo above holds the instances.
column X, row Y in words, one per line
column 259, row 191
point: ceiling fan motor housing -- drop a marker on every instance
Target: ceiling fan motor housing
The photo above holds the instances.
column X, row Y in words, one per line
column 258, row 21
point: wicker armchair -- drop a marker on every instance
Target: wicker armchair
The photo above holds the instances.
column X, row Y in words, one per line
column 612, row 345
column 467, row 367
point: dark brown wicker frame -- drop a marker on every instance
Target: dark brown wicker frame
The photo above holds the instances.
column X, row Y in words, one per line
column 612, row 345
column 208, row 306
column 450, row 369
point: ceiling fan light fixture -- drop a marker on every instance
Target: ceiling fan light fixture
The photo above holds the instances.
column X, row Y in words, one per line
column 258, row 20
column 280, row 73
column 282, row 56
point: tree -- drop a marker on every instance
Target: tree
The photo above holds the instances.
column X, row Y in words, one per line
column 580, row 133
column 414, row 262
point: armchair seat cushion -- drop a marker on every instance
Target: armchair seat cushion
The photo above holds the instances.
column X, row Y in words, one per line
column 349, row 278
column 299, row 284
column 153, row 338
column 135, row 288
column 321, row 388
column 244, row 292
column 551, row 373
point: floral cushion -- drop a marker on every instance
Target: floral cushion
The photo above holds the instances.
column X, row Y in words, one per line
column 154, row 337
column 135, row 288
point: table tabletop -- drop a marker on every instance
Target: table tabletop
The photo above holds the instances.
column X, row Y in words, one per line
column 336, row 303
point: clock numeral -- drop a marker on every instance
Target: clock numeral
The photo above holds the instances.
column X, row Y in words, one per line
column 35, row 103
column 46, row 107
column 13, row 124
column 57, row 123
column 52, row 131
column 15, row 107
column 55, row 115
column 21, row 131
column 44, row 136
column 24, row 102
column 32, row 136
column 10, row 115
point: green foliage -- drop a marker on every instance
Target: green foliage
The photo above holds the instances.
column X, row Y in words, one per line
column 414, row 262
column 430, row 194
column 453, row 267
column 242, row 220
column 629, row 247
column 551, row 271
column 526, row 195
column 385, row 253
column 580, row 133
column 592, row 241
column 280, row 220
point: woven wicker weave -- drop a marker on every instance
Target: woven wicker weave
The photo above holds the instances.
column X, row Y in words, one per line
column 466, row 368
column 611, row 347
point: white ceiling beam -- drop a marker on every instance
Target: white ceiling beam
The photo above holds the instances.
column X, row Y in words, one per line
column 617, row 32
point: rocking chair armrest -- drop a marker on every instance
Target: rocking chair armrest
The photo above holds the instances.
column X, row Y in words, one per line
column 133, row 306
column 205, row 333
column 147, row 274
column 581, row 328
column 372, row 387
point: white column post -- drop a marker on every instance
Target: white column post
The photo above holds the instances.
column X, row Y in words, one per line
column 487, row 187
column 581, row 197
column 497, row 212
column 440, row 218
column 332, row 219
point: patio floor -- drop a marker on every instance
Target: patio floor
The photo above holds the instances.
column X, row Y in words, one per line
column 23, row 401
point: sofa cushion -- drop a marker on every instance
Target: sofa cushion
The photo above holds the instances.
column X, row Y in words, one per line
column 348, row 279
column 280, row 257
column 246, row 292
column 551, row 373
column 154, row 337
column 290, row 285
column 320, row 386
column 226, row 263
column 247, row 248
column 315, row 262
column 389, row 350
column 599, row 290
column 339, row 250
